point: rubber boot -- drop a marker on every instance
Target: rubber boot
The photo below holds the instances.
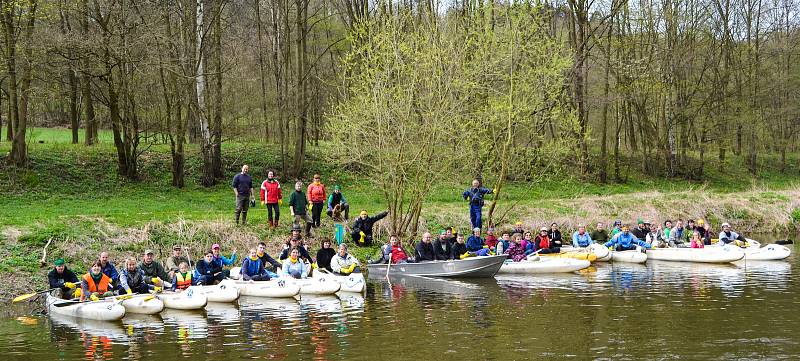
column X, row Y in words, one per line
column 275, row 223
column 308, row 229
column 244, row 218
column 236, row 217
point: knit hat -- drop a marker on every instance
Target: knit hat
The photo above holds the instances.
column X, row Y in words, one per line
column 59, row 262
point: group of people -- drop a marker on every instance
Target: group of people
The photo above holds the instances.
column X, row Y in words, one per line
column 104, row 279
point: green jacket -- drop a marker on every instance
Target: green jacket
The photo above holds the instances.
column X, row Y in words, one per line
column 298, row 202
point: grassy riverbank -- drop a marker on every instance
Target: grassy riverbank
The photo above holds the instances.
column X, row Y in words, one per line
column 72, row 195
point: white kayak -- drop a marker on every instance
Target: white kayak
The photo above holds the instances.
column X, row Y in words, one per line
column 277, row 288
column 633, row 256
column 770, row 252
column 601, row 252
column 544, row 265
column 102, row 310
column 220, row 293
column 144, row 304
column 316, row 286
column 353, row 282
column 189, row 299
column 709, row 254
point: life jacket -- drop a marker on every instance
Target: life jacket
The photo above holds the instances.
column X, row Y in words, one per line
column 101, row 287
column 183, row 282
column 543, row 242
column 398, row 254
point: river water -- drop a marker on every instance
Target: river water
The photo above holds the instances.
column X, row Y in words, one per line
column 658, row 310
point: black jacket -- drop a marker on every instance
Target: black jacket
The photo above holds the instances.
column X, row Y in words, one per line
column 266, row 260
column 424, row 252
column 365, row 225
column 57, row 280
column 324, row 256
column 458, row 250
column 555, row 237
column 441, row 249
column 303, row 254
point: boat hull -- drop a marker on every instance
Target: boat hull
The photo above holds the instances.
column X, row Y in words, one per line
column 629, row 256
column 471, row 267
column 544, row 265
column 770, row 252
column 273, row 288
column 103, row 310
column 143, row 305
column 220, row 293
column 190, row 299
column 321, row 286
column 723, row 254
column 351, row 283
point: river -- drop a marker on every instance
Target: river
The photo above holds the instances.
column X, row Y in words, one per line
column 658, row 310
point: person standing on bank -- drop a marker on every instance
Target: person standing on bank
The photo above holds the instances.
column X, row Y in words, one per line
column 272, row 197
column 297, row 206
column 243, row 189
column 474, row 196
column 316, row 198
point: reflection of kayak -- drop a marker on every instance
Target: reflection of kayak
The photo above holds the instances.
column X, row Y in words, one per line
column 221, row 293
column 102, row 310
column 273, row 288
column 322, row 304
column 544, row 265
column 189, row 299
column 95, row 328
column 770, row 252
column 351, row 300
column 710, row 254
column 143, row 304
column 634, row 256
column 469, row 267
column 222, row 311
column 283, row 308
column 190, row 324
column 350, row 283
column 321, row 285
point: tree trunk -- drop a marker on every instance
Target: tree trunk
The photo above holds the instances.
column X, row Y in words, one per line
column 86, row 81
column 207, row 178
column 301, row 89
column 217, row 150
column 74, row 118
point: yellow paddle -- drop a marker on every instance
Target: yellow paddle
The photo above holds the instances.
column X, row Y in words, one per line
column 29, row 295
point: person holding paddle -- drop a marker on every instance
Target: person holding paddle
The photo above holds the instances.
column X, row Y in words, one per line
column 63, row 278
column 132, row 278
column 95, row 284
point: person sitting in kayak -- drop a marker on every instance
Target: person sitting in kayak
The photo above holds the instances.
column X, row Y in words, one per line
column 503, row 243
column 344, row 263
column 705, row 231
column 459, row 249
column 132, row 278
column 325, row 255
column 580, row 238
column 518, row 228
column 294, row 243
column 617, row 228
column 555, row 235
column 64, row 279
column 655, row 237
column 95, row 284
column 424, row 251
column 729, row 236
column 516, row 252
column 676, row 235
column 182, row 279
column 270, row 264
column 475, row 244
column 109, row 270
column 207, row 272
column 625, row 241
column 223, row 261
column 253, row 268
column 362, row 228
column 154, row 273
column 527, row 242
column 173, row 262
column 599, row 235
column 294, row 266
column 697, row 240
column 491, row 239
column 543, row 244
column 475, row 196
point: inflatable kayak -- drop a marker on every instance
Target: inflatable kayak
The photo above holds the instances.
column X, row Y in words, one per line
column 102, row 310
column 220, row 293
column 350, row 283
column 144, row 304
column 598, row 250
column 771, row 252
column 579, row 255
column 544, row 265
column 634, row 256
column 273, row 288
column 709, row 254
column 190, row 299
column 321, row 286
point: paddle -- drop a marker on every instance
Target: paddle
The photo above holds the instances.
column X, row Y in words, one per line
column 29, row 295
column 119, row 299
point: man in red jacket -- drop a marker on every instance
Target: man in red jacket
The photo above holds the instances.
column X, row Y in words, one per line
column 272, row 195
column 316, row 198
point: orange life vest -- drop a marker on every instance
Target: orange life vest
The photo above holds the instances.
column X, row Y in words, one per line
column 102, row 287
column 182, row 282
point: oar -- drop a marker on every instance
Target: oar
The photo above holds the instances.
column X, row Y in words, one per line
column 119, row 299
column 29, row 295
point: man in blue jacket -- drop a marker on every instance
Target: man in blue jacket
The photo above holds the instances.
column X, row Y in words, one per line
column 580, row 238
column 475, row 197
column 475, row 244
column 626, row 241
